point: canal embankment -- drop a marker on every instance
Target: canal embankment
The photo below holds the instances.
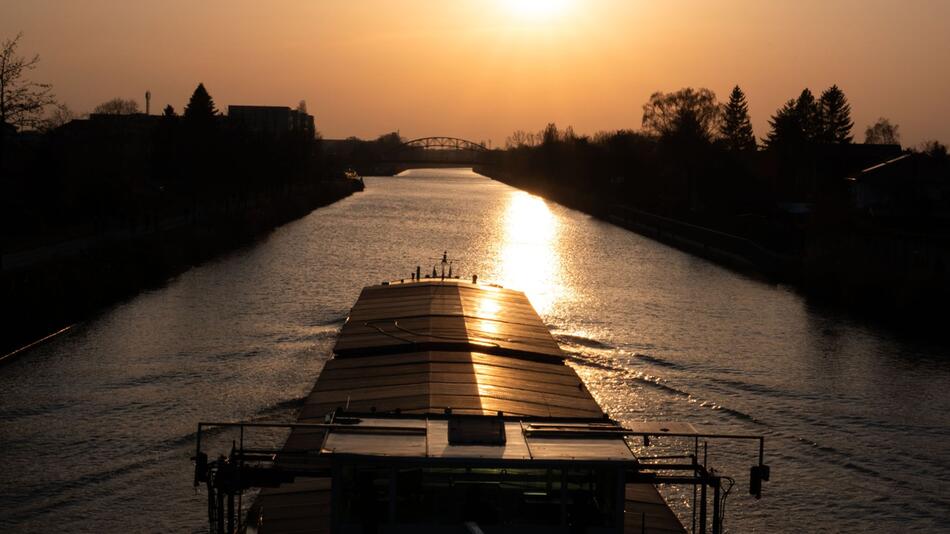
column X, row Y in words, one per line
column 735, row 251
column 54, row 285
column 896, row 276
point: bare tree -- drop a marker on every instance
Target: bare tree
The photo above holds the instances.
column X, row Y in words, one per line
column 882, row 132
column 934, row 149
column 117, row 106
column 21, row 101
column 568, row 135
column 520, row 138
column 58, row 116
column 687, row 111
column 550, row 135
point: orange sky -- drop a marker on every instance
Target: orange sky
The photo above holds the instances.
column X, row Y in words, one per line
column 480, row 69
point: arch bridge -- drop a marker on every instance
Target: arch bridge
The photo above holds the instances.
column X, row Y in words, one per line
column 444, row 143
column 437, row 151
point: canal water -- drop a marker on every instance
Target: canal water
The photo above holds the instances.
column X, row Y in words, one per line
column 97, row 427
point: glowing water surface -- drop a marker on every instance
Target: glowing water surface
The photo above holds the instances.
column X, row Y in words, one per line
column 97, row 427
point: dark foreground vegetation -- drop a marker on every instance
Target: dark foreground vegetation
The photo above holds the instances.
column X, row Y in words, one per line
column 865, row 225
column 96, row 209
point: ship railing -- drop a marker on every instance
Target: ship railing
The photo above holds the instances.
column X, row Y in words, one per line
column 243, row 468
column 670, row 469
column 229, row 476
column 665, row 469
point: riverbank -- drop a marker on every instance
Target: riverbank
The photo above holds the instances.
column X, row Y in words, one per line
column 736, row 252
column 891, row 277
column 53, row 286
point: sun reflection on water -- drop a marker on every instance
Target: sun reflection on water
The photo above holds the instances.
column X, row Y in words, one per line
column 530, row 261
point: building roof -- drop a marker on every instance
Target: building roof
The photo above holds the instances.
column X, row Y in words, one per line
column 912, row 167
column 240, row 107
column 885, row 168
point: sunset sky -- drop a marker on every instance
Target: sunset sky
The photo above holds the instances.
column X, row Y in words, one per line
column 480, row 69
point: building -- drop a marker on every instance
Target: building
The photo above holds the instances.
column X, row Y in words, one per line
column 272, row 120
column 912, row 186
column 125, row 141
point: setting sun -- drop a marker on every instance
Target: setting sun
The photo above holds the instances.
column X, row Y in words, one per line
column 536, row 9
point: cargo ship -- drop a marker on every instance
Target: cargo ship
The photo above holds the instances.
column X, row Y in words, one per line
column 448, row 407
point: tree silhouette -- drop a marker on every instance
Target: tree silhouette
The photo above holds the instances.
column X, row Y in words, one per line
column 809, row 115
column 394, row 139
column 935, row 149
column 117, row 106
column 521, row 138
column 568, row 135
column 736, row 126
column 169, row 111
column 200, row 108
column 58, row 116
column 550, row 135
column 388, row 144
column 796, row 123
column 201, row 141
column 786, row 126
column 835, row 117
column 21, row 101
column 687, row 111
column 882, row 132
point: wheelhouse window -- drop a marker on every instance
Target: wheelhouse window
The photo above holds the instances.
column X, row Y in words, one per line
column 497, row 499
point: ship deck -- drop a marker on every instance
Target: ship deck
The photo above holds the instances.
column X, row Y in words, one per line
column 422, row 348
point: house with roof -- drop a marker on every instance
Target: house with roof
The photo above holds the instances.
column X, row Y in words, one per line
column 909, row 187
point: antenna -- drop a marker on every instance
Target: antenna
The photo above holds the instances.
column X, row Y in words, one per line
column 444, row 261
column 148, row 102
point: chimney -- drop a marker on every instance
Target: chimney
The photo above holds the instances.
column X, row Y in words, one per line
column 148, row 102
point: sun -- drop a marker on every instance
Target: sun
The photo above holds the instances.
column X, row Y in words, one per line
column 536, row 9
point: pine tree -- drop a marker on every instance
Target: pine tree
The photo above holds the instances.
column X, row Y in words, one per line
column 836, row 123
column 798, row 122
column 808, row 111
column 786, row 126
column 736, row 127
column 200, row 108
column 201, row 139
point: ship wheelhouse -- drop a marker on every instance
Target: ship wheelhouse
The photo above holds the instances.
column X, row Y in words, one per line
column 501, row 475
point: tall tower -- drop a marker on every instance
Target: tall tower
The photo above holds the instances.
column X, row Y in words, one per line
column 148, row 102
